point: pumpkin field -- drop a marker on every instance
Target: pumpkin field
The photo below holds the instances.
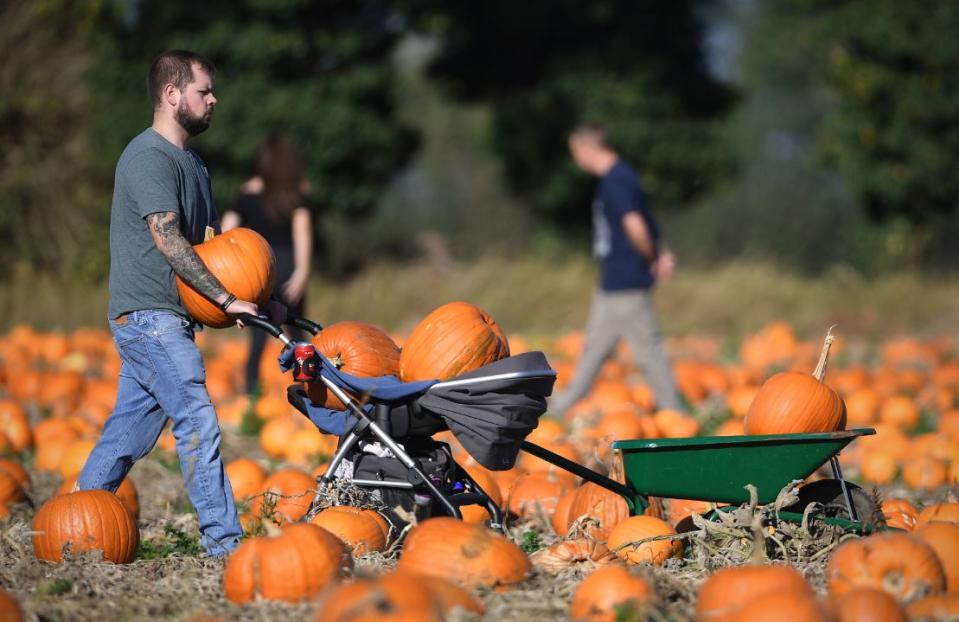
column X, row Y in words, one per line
column 570, row 550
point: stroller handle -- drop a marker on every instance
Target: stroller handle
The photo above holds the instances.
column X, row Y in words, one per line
column 309, row 326
column 263, row 324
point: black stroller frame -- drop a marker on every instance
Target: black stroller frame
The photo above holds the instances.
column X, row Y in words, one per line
column 376, row 426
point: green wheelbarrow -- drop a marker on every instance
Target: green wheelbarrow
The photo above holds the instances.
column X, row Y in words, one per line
column 718, row 469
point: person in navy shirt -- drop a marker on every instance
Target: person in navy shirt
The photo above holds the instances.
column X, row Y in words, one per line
column 632, row 258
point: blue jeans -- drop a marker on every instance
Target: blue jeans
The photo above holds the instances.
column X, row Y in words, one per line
column 161, row 376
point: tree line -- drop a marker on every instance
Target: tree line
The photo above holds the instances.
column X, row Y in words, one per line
column 831, row 102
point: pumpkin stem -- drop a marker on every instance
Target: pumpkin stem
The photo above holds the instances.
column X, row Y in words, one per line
column 820, row 372
column 208, row 234
column 337, row 360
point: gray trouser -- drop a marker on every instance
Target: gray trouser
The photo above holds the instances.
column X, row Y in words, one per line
column 613, row 316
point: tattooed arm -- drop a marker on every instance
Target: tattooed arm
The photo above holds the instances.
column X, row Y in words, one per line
column 165, row 229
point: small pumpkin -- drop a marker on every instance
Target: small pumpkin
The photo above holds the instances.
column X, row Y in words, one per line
column 944, row 539
column 87, row 520
column 246, row 477
column 607, row 507
column 292, row 492
column 362, row 530
column 793, row 402
column 356, row 348
column 15, row 425
column 900, row 514
column 902, row 564
column 607, row 590
column 947, row 511
column 467, row 554
column 534, row 493
column 728, row 590
column 582, row 553
column 867, row 604
column 126, row 492
column 935, row 608
column 293, row 563
column 16, row 470
column 365, row 599
column 624, row 537
column 243, row 262
column 10, row 610
column 455, row 338
column 792, row 605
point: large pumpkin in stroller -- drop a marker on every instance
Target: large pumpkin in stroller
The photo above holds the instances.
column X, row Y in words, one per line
column 386, row 442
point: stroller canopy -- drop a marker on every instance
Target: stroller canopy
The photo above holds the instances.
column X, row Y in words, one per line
column 491, row 410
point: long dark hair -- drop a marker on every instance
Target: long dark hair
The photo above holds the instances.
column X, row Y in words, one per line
column 279, row 167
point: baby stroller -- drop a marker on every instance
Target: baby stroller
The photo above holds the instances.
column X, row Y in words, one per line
column 386, row 439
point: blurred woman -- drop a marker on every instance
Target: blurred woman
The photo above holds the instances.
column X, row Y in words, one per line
column 274, row 204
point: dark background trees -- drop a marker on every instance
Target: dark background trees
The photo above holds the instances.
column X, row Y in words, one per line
column 806, row 132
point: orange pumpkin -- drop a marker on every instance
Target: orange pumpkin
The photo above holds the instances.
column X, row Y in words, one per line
column 126, row 492
column 936, row 608
column 243, row 262
column 946, row 512
column 607, row 590
column 292, row 491
column 924, row 473
column 292, row 564
column 944, row 539
column 246, row 477
column 88, row 520
column 867, row 604
column 355, row 348
column 792, row 605
column 608, row 508
column 728, row 590
column 581, row 553
column 900, row 514
column 75, row 456
column 455, row 338
column 362, row 530
column 536, row 492
column 468, row 554
column 560, row 520
column 623, row 538
column 10, row 610
column 878, row 467
column 15, row 425
column 793, row 402
column 365, row 599
column 862, row 406
column 900, row 411
column 10, row 492
column 902, row 564
column 16, row 470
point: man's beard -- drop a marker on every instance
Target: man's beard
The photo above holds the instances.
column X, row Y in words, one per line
column 192, row 125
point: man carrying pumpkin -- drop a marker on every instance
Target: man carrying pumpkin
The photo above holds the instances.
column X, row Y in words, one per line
column 162, row 205
column 632, row 257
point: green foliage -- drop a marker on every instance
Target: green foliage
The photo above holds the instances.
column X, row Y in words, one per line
column 48, row 195
column 636, row 67
column 320, row 72
column 55, row 587
column 532, row 542
column 173, row 542
column 895, row 134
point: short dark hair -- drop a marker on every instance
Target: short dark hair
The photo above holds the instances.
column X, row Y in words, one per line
column 175, row 67
column 590, row 131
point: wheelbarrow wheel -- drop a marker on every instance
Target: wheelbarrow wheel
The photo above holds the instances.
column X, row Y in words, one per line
column 828, row 493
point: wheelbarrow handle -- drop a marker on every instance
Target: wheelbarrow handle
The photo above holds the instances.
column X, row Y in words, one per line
column 631, row 497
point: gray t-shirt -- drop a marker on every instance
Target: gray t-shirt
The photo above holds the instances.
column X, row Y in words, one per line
column 153, row 175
